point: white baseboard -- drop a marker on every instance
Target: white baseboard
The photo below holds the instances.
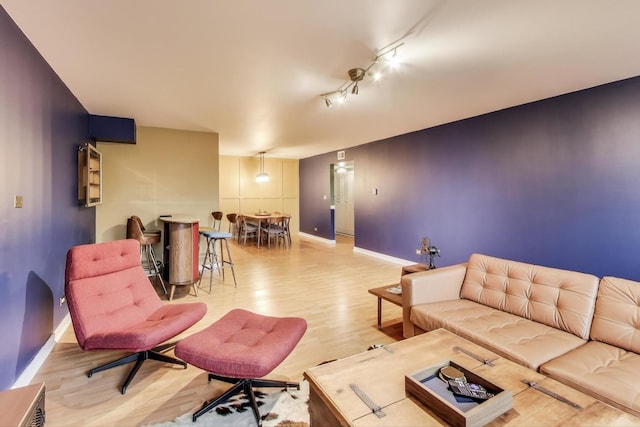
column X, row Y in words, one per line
column 383, row 256
column 319, row 239
column 378, row 255
column 34, row 366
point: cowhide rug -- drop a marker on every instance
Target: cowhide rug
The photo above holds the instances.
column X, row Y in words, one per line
column 279, row 409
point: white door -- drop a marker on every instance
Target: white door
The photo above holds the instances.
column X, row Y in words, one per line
column 343, row 191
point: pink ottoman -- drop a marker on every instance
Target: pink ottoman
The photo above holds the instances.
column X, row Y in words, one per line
column 240, row 348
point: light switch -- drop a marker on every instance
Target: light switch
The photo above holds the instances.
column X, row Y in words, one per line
column 17, row 202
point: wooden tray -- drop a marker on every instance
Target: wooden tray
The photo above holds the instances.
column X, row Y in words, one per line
column 426, row 387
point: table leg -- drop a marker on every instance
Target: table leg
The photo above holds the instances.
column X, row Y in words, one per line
column 259, row 231
column 379, row 313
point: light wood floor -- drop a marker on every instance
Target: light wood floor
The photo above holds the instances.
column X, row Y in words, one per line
column 327, row 285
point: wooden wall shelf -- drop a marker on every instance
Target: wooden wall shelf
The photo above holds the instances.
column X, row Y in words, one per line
column 89, row 175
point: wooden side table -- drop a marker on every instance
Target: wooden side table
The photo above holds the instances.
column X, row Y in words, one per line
column 393, row 298
column 383, row 294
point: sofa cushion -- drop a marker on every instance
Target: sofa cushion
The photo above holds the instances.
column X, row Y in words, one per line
column 601, row 370
column 617, row 315
column 561, row 299
column 518, row 339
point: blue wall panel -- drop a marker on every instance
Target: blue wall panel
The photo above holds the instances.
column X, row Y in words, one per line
column 553, row 182
column 112, row 129
column 41, row 126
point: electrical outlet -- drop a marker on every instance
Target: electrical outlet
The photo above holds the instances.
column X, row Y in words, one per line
column 17, row 202
column 63, row 299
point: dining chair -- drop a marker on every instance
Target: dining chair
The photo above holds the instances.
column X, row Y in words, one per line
column 245, row 229
column 286, row 219
column 274, row 230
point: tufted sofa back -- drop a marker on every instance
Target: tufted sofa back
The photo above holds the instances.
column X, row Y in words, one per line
column 107, row 288
column 561, row 299
column 617, row 316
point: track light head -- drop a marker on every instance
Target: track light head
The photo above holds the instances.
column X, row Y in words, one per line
column 354, row 90
column 328, row 102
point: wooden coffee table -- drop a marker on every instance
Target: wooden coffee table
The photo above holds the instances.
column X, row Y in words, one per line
column 380, row 374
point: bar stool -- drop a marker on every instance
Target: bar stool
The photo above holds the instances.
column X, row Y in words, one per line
column 233, row 220
column 216, row 218
column 211, row 260
column 147, row 238
column 216, row 222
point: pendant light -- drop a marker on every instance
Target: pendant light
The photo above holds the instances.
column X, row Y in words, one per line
column 262, row 176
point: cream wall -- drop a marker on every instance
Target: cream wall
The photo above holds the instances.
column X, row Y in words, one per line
column 240, row 193
column 167, row 171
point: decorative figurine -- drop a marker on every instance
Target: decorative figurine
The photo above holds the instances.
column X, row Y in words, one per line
column 430, row 251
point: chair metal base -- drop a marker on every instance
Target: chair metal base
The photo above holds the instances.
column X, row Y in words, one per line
column 139, row 357
column 239, row 385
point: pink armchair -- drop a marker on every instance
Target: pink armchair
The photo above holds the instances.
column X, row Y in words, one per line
column 113, row 306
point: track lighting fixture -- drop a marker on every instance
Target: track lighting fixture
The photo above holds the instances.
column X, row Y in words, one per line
column 356, row 75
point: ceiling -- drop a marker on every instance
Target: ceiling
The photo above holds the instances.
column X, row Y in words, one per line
column 253, row 70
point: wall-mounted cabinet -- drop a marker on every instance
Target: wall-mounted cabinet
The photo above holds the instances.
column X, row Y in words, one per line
column 89, row 175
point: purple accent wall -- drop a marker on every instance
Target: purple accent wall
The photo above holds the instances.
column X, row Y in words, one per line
column 41, row 126
column 555, row 182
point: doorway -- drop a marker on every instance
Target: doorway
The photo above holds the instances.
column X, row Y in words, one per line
column 343, row 179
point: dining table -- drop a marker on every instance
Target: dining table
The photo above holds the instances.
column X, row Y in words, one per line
column 259, row 217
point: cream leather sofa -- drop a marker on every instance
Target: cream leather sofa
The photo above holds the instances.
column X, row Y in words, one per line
column 568, row 325
column 608, row 366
